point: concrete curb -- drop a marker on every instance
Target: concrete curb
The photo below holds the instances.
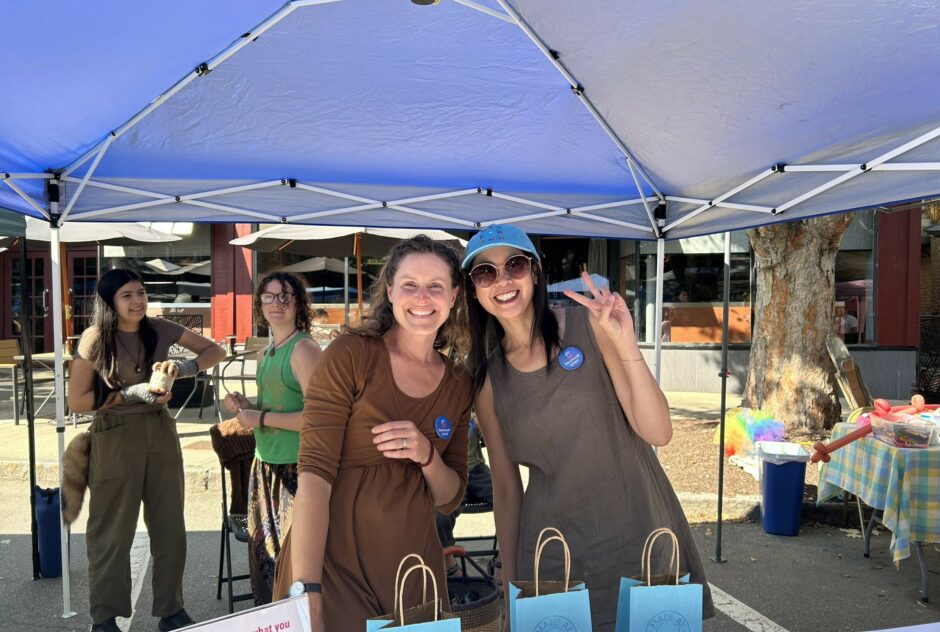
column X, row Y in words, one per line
column 47, row 474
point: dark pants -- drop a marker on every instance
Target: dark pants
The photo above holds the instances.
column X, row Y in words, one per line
column 135, row 457
column 479, row 490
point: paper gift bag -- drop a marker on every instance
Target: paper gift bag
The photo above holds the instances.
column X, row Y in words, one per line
column 287, row 615
column 553, row 605
column 427, row 617
column 659, row 602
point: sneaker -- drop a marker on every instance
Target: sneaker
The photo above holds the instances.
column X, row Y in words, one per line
column 108, row 625
column 179, row 620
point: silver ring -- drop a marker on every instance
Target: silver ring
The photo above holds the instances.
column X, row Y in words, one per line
column 404, row 444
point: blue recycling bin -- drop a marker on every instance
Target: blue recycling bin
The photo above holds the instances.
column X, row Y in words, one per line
column 783, row 473
column 49, row 531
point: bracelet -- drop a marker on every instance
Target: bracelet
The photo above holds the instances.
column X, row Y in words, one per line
column 431, row 454
column 261, row 419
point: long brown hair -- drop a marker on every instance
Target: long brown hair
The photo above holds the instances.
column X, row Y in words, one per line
column 302, row 318
column 105, row 320
column 486, row 334
column 379, row 318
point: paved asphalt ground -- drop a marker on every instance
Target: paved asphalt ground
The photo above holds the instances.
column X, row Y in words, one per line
column 818, row 580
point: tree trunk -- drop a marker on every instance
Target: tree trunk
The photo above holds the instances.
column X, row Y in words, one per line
column 790, row 373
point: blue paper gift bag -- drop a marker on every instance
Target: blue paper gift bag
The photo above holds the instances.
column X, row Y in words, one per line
column 539, row 606
column 428, row 617
column 664, row 602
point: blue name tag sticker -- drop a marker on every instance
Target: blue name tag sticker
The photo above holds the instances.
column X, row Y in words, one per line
column 570, row 358
column 443, row 427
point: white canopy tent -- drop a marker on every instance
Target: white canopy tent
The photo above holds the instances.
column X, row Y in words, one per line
column 621, row 120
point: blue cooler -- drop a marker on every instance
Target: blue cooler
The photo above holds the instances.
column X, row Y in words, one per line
column 783, row 473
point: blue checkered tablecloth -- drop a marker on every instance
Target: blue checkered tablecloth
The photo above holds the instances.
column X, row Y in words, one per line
column 904, row 482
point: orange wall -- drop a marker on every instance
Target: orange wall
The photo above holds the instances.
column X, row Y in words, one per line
column 231, row 283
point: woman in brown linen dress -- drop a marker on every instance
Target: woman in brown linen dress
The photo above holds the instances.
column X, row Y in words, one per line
column 384, row 443
column 583, row 423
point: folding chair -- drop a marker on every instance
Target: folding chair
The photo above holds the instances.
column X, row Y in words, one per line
column 235, row 452
column 492, row 551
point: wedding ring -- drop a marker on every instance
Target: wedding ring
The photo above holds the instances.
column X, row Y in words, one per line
column 404, row 444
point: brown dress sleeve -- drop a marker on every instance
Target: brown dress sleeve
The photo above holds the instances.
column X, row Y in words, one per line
column 455, row 454
column 328, row 401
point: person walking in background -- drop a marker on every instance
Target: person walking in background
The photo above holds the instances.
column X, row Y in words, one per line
column 284, row 369
column 135, row 451
column 384, row 443
column 567, row 393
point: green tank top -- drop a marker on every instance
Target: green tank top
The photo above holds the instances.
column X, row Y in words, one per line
column 278, row 392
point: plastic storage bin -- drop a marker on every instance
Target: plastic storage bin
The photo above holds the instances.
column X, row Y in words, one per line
column 783, row 473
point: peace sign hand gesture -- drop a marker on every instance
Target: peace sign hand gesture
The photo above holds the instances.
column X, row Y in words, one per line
column 611, row 313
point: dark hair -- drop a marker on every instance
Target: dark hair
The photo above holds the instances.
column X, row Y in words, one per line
column 302, row 318
column 320, row 313
column 379, row 318
column 486, row 334
column 105, row 320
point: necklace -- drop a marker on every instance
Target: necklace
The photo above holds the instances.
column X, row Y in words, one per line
column 278, row 345
column 140, row 349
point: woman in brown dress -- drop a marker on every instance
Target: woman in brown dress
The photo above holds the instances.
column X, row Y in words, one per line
column 567, row 394
column 384, row 443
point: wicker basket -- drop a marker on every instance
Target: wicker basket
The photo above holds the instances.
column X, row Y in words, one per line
column 476, row 601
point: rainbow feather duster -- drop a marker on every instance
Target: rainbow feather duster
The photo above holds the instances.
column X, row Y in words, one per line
column 744, row 427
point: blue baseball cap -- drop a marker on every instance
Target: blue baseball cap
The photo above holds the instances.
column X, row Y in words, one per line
column 498, row 235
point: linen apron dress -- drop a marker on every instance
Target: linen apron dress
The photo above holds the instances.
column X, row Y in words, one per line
column 590, row 474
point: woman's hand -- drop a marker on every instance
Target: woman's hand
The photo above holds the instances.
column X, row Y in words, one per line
column 612, row 314
column 402, row 440
column 249, row 418
column 236, row 402
column 167, row 366
column 315, row 602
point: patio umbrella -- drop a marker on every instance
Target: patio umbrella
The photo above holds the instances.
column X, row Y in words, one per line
column 336, row 241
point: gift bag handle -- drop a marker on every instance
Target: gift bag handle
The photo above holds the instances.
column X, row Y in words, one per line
column 426, row 570
column 401, row 565
column 538, row 558
column 648, row 553
column 646, row 545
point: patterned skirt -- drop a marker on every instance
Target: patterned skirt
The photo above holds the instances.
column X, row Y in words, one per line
column 271, row 491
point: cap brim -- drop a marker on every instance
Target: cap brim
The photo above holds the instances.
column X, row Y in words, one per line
column 468, row 259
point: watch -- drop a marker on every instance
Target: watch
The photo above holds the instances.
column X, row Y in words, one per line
column 299, row 588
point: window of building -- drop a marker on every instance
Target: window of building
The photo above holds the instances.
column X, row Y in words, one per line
column 855, row 274
column 693, row 289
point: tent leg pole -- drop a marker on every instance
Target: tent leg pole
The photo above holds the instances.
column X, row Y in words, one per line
column 55, row 252
column 346, row 291
column 658, row 325
column 26, row 337
column 724, row 393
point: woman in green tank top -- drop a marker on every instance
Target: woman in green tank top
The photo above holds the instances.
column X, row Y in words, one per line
column 284, row 368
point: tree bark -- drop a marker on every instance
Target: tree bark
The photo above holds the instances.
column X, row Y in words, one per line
column 790, row 373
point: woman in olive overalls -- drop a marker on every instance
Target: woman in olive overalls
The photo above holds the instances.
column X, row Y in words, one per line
column 135, row 451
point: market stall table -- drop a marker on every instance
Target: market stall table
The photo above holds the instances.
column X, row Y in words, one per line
column 903, row 484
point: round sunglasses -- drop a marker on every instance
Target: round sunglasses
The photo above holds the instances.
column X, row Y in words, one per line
column 516, row 267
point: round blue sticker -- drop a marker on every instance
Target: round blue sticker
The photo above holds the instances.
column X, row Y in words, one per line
column 570, row 358
column 443, row 427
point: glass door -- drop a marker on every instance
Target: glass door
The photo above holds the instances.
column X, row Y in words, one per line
column 39, row 294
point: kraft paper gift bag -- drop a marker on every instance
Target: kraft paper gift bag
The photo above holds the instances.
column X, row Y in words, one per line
column 554, row 605
column 287, row 615
column 427, row 617
column 659, row 602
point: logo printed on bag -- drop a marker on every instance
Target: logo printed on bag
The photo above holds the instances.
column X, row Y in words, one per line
column 555, row 623
column 668, row 621
column 570, row 358
column 443, row 427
